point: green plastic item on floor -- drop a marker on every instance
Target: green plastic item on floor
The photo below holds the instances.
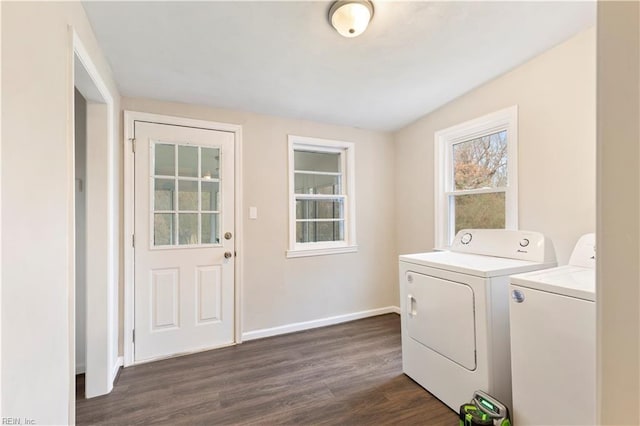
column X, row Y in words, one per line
column 484, row 410
column 470, row 415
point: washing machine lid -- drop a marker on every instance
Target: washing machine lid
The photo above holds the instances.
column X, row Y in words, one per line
column 474, row 264
column 569, row 280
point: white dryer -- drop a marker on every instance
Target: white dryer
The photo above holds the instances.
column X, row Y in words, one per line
column 455, row 311
column 553, row 342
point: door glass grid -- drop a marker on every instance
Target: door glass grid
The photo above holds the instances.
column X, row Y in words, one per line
column 185, row 195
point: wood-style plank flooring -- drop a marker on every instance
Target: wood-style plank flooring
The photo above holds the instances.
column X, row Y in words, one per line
column 347, row 374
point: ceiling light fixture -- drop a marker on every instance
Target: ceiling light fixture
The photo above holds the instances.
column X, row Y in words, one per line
column 351, row 17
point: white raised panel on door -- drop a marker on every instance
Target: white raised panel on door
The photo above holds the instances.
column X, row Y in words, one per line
column 164, row 299
column 209, row 294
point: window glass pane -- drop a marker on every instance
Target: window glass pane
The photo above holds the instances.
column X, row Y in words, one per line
column 319, row 209
column 188, row 161
column 163, row 229
column 481, row 162
column 312, row 232
column 163, row 194
column 187, row 195
column 317, row 161
column 210, row 231
column 480, row 211
column 210, row 163
column 210, row 196
column 165, row 161
column 188, row 228
column 317, row 184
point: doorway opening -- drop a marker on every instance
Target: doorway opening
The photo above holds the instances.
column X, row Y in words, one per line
column 95, row 322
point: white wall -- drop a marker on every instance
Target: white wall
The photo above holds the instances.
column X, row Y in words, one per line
column 38, row 360
column 618, row 234
column 279, row 291
column 81, row 234
column 555, row 94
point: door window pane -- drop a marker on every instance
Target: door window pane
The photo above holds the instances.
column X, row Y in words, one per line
column 481, row 162
column 210, row 229
column 163, row 227
column 210, row 193
column 480, row 211
column 164, row 191
column 187, row 161
column 165, row 160
column 210, row 163
column 186, row 206
column 188, row 228
column 317, row 161
column 187, row 195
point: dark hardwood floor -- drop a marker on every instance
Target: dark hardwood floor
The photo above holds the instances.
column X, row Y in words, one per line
column 348, row 374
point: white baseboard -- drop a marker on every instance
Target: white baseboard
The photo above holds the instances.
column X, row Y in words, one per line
column 322, row 322
column 114, row 371
column 80, row 368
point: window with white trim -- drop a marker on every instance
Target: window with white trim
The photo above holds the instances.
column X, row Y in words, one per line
column 476, row 175
column 321, row 197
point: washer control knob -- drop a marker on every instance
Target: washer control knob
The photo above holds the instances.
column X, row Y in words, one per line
column 517, row 296
column 466, row 238
column 524, row 242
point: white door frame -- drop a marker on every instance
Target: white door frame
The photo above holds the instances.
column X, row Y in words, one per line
column 101, row 326
column 130, row 117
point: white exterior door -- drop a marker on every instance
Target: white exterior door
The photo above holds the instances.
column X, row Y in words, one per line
column 184, row 240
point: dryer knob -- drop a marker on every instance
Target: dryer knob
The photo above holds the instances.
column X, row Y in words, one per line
column 517, row 296
column 466, row 238
column 410, row 278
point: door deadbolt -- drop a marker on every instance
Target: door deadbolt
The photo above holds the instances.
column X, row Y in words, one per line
column 228, row 235
column 227, row 254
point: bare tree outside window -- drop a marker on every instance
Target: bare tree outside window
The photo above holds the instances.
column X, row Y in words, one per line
column 480, row 163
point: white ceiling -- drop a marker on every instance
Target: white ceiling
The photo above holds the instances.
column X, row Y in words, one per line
column 284, row 58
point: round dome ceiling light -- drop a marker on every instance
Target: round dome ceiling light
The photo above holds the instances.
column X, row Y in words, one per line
column 351, row 17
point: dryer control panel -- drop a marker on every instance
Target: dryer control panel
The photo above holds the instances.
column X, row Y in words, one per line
column 523, row 245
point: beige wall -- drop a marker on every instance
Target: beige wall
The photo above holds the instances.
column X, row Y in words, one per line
column 37, row 186
column 618, row 235
column 279, row 291
column 555, row 94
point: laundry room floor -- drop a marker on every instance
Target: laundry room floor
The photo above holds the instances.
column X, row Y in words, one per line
column 345, row 374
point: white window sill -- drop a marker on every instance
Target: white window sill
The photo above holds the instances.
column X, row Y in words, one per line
column 321, row 251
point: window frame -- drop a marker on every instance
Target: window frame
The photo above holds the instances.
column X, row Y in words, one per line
column 347, row 159
column 444, row 189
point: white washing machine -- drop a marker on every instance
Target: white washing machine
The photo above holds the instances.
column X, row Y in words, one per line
column 553, row 342
column 455, row 311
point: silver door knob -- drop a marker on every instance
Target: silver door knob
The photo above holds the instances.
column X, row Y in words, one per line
column 227, row 254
